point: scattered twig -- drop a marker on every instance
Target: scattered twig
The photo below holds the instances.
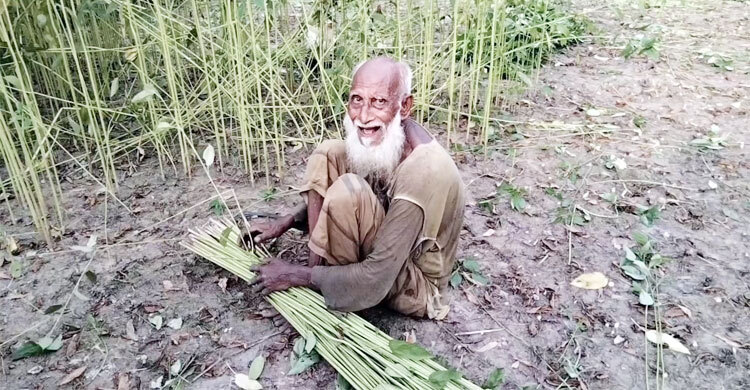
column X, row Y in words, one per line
column 655, row 183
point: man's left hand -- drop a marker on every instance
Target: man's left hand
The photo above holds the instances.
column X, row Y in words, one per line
column 278, row 275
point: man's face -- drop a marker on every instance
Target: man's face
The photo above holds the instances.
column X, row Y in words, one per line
column 373, row 104
column 374, row 136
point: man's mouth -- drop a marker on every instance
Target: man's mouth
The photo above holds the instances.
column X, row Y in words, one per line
column 369, row 131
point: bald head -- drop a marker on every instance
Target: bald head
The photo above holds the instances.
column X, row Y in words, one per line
column 384, row 71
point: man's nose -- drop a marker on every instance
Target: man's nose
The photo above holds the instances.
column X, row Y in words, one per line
column 365, row 114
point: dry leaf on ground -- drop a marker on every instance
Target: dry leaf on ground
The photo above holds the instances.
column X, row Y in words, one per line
column 663, row 338
column 244, row 382
column 73, row 375
column 590, row 281
column 130, row 331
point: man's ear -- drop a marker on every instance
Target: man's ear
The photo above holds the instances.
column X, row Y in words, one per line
column 406, row 106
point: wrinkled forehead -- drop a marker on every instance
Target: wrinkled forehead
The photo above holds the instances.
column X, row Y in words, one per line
column 376, row 78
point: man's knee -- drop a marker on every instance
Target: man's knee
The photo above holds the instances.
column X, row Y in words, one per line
column 347, row 190
column 333, row 149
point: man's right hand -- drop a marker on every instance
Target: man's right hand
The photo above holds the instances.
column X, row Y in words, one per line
column 268, row 229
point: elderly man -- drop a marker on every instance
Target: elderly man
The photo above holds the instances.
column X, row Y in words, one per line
column 384, row 208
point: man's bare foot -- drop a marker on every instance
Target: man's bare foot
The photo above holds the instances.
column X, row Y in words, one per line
column 267, row 311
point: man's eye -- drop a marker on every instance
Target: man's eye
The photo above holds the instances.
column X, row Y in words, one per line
column 380, row 101
column 356, row 99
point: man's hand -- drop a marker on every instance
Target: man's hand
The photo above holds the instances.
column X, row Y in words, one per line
column 268, row 229
column 278, row 275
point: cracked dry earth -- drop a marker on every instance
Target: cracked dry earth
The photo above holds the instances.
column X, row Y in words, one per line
column 589, row 109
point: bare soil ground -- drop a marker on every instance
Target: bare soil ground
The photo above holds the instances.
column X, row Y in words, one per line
column 544, row 332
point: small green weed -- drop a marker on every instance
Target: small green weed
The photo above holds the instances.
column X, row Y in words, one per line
column 717, row 60
column 646, row 46
column 649, row 215
column 269, row 194
column 711, row 141
column 468, row 269
column 639, row 263
column 218, row 207
column 569, row 171
column 569, row 215
column 517, row 200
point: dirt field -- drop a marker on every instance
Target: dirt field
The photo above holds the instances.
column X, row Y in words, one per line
column 595, row 124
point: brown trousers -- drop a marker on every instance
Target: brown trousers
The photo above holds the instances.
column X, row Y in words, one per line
column 348, row 222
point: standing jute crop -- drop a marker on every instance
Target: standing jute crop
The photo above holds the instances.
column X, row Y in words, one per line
column 365, row 356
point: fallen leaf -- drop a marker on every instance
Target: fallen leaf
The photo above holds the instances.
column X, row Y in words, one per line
column 488, row 233
column 50, row 344
column 72, row 347
column 53, row 309
column 11, row 245
column 147, row 92
column 208, row 155
column 4, row 275
column 256, row 367
column 663, row 338
column 712, row 185
column 618, row 340
column 177, row 338
column 169, row 286
column 156, row 321
column 151, row 308
column 130, row 331
column 35, row 370
column 114, row 86
column 244, row 382
column 310, row 343
column 73, row 375
column 29, row 349
column 175, row 323
column 156, row 383
column 678, row 311
column 471, row 297
column 223, row 284
column 16, row 268
column 590, row 281
column 486, row 347
column 619, row 164
column 123, row 381
column 89, row 247
column 175, row 368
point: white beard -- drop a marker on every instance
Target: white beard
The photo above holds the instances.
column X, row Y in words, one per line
column 379, row 161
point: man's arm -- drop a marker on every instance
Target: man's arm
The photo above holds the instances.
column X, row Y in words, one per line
column 314, row 205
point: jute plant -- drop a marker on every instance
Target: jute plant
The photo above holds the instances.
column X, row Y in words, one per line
column 103, row 84
column 364, row 355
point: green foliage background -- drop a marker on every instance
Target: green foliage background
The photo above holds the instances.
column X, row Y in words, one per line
column 97, row 83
